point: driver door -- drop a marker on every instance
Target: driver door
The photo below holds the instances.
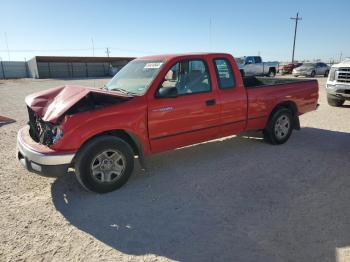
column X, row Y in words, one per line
column 249, row 67
column 190, row 115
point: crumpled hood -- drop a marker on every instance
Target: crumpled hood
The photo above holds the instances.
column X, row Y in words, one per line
column 50, row 104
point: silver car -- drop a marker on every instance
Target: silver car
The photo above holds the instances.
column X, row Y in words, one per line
column 311, row 69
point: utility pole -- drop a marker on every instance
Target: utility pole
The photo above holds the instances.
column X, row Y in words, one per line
column 341, row 56
column 7, row 46
column 210, row 37
column 110, row 65
column 107, row 51
column 297, row 18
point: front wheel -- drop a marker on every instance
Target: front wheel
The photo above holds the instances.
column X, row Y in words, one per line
column 332, row 101
column 326, row 73
column 313, row 74
column 279, row 128
column 104, row 164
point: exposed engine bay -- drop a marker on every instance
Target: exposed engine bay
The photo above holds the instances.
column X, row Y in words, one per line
column 48, row 133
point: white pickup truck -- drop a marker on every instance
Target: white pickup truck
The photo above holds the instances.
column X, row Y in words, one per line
column 338, row 84
column 254, row 66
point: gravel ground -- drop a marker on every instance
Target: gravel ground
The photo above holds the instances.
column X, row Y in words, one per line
column 234, row 199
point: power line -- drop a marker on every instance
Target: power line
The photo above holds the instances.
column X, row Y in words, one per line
column 76, row 49
column 46, row 50
column 297, row 18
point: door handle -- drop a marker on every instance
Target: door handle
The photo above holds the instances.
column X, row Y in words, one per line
column 210, row 102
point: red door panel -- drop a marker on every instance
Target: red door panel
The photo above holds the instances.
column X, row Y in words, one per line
column 181, row 121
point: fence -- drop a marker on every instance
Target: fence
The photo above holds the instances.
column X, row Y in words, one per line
column 11, row 69
column 72, row 69
column 34, row 69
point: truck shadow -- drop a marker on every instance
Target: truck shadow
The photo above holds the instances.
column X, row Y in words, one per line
column 230, row 200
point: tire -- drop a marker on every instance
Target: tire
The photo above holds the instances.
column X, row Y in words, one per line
column 332, row 101
column 279, row 127
column 104, row 164
column 326, row 73
column 313, row 74
column 272, row 72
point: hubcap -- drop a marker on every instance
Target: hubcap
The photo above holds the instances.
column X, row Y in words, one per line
column 282, row 127
column 108, row 166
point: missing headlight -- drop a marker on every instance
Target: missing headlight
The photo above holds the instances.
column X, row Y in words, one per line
column 57, row 134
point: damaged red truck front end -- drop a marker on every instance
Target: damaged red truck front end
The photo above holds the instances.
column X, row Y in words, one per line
column 50, row 112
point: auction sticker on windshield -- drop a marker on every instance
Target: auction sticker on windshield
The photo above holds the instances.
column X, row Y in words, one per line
column 153, row 65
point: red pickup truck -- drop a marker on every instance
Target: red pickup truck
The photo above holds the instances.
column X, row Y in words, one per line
column 154, row 104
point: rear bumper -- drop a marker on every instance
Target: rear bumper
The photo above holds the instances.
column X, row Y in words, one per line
column 39, row 159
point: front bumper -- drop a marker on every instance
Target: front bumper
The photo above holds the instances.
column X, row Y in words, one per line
column 338, row 90
column 41, row 159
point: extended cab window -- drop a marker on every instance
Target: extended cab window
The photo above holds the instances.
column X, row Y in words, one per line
column 224, row 74
column 188, row 77
column 257, row 59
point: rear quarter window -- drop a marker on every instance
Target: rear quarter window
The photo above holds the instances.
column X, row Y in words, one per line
column 224, row 73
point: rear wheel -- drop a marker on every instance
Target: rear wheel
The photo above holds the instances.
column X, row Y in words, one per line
column 104, row 164
column 279, row 128
column 332, row 101
column 326, row 73
column 272, row 72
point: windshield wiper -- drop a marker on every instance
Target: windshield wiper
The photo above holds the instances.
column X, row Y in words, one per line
column 123, row 91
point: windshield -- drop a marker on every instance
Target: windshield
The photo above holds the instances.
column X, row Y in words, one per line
column 239, row 60
column 308, row 65
column 136, row 77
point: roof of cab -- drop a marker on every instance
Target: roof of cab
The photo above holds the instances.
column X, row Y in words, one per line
column 167, row 57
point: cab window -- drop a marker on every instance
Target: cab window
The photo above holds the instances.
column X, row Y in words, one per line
column 188, row 77
column 249, row 60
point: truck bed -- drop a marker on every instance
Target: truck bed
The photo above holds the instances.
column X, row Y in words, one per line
column 265, row 93
column 255, row 82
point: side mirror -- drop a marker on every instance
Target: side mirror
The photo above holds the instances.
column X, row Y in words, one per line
column 167, row 92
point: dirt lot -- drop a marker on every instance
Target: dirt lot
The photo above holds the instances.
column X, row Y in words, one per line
column 235, row 199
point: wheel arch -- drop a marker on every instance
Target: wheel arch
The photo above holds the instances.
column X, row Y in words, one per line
column 273, row 69
column 290, row 105
column 126, row 136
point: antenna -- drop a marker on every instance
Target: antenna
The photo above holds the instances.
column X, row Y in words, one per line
column 7, row 46
column 93, row 47
column 297, row 18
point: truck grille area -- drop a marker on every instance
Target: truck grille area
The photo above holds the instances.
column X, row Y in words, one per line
column 39, row 130
column 344, row 75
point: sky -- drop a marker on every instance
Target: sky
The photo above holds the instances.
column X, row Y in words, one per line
column 139, row 28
